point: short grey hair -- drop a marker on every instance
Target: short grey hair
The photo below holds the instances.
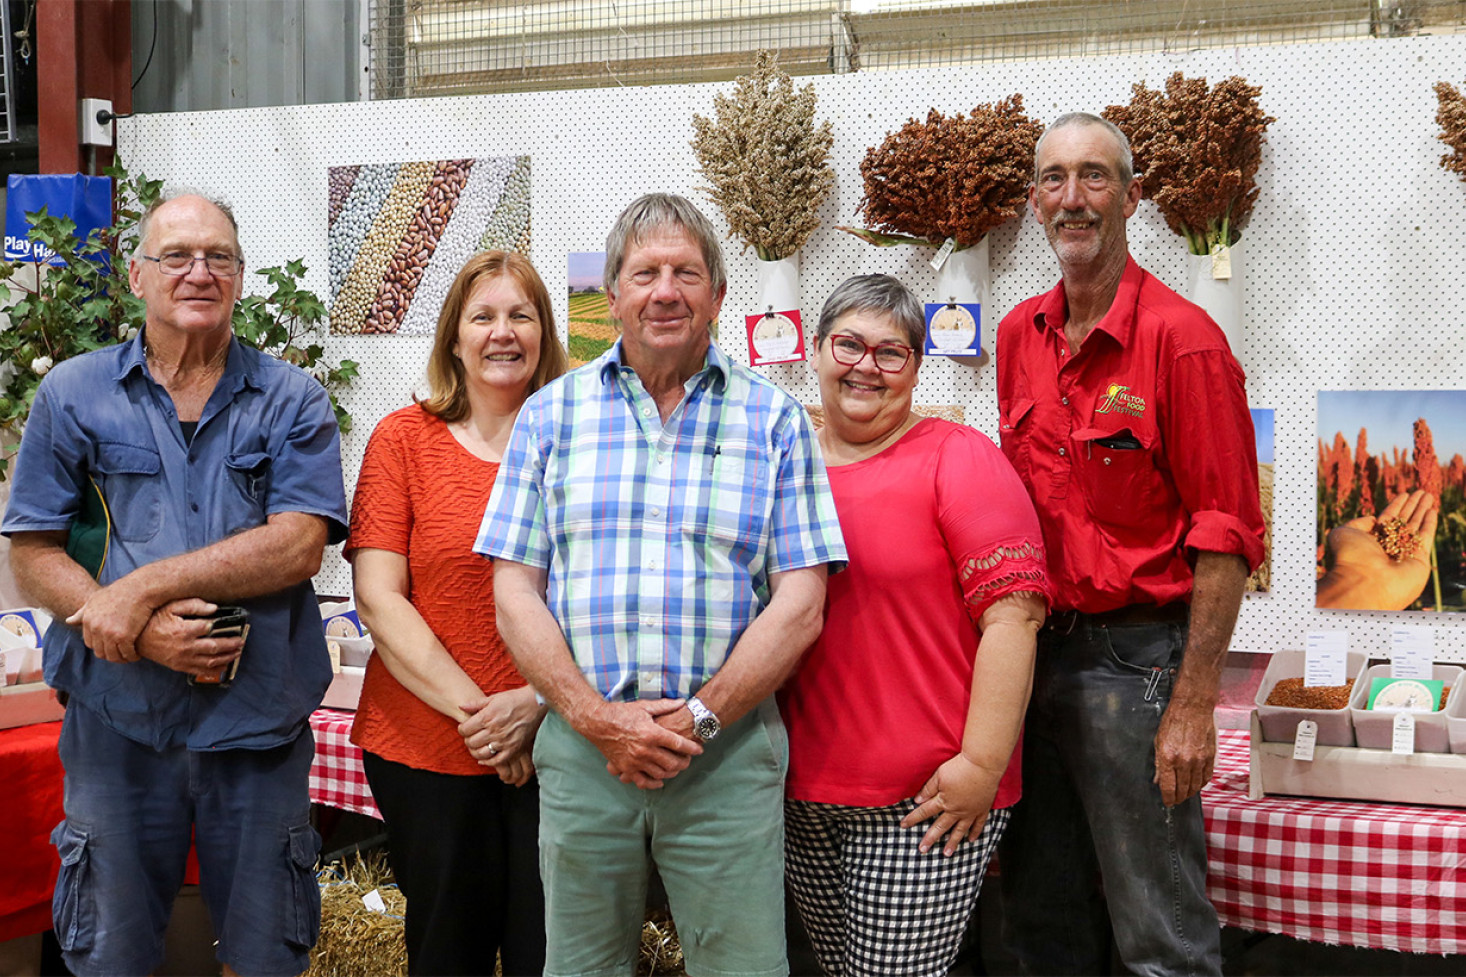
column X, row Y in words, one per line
column 647, row 214
column 145, row 223
column 875, row 295
column 1126, row 158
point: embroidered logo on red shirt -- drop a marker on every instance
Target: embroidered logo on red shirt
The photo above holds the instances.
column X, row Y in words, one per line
column 1117, row 399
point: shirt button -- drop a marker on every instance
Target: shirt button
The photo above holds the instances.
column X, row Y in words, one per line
column 656, row 511
column 661, row 459
column 1107, row 461
column 652, row 565
column 1064, row 401
column 647, row 620
column 1062, row 452
column 646, row 412
column 194, row 506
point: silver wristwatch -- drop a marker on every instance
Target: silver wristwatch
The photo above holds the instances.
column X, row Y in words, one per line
column 704, row 724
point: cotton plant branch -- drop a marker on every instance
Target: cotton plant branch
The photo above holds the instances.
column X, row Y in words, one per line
column 952, row 177
column 767, row 163
column 1197, row 151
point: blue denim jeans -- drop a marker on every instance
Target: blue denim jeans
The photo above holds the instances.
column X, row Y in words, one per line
column 130, row 811
column 1091, row 812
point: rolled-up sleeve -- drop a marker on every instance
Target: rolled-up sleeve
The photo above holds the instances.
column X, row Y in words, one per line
column 514, row 525
column 1212, row 453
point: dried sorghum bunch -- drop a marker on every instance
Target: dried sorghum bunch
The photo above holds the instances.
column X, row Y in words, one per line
column 1451, row 116
column 1197, row 150
column 949, row 177
column 767, row 161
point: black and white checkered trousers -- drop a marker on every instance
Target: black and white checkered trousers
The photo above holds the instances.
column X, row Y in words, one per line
column 871, row 902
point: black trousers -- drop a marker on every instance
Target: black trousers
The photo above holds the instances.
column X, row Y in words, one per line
column 465, row 851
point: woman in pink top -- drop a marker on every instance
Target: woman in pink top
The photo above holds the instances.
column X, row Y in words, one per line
column 904, row 716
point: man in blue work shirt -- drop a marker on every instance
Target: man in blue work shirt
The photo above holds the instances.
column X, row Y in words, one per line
column 220, row 470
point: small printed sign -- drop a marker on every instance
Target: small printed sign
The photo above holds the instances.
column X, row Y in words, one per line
column 775, row 337
column 943, row 253
column 1403, row 740
column 1306, row 740
column 1221, row 263
column 1326, row 658
column 953, row 329
column 1412, row 650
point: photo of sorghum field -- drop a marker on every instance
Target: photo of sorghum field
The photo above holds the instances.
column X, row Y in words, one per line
column 1392, row 500
column 592, row 330
column 1262, row 427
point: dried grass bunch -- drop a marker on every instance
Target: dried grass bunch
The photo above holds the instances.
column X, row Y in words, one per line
column 1197, row 150
column 948, row 177
column 1451, row 116
column 767, row 161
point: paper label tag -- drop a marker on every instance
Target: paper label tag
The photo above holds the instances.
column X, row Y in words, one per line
column 333, row 648
column 1326, row 657
column 1306, row 739
column 1404, row 739
column 1221, row 263
column 1412, row 650
column 373, row 901
column 5, row 670
column 943, row 253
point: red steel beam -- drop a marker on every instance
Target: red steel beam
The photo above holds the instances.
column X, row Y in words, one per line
column 83, row 50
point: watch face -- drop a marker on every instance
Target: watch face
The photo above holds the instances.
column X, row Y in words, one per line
column 707, row 727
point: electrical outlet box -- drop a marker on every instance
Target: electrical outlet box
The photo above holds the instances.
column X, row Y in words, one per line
column 91, row 132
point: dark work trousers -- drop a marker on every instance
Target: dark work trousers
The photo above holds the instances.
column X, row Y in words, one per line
column 465, row 851
column 1091, row 808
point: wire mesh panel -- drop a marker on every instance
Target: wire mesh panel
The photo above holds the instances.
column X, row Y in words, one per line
column 436, row 47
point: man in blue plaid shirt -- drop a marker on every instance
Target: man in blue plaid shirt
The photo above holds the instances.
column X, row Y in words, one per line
column 661, row 528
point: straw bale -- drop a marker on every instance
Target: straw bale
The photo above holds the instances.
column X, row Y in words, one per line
column 355, row 941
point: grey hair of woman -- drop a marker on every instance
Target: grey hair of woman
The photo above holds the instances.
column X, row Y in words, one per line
column 875, row 295
column 646, row 215
column 1126, row 159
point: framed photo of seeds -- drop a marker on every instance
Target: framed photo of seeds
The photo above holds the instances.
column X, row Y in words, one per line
column 1391, row 500
column 399, row 232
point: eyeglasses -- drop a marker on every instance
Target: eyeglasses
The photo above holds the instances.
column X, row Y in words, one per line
column 179, row 263
column 888, row 357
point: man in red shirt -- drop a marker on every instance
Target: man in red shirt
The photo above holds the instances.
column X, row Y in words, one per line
column 1124, row 412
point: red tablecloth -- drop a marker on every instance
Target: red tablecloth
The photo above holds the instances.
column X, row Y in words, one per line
column 1371, row 875
column 1374, row 875
column 337, row 779
column 31, row 772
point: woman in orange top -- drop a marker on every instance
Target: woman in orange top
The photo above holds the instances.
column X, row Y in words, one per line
column 442, row 706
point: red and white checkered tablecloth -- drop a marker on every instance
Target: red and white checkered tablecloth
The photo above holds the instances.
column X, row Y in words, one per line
column 1387, row 876
column 336, row 778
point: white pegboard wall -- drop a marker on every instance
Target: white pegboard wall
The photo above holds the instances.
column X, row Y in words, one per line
column 1352, row 263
